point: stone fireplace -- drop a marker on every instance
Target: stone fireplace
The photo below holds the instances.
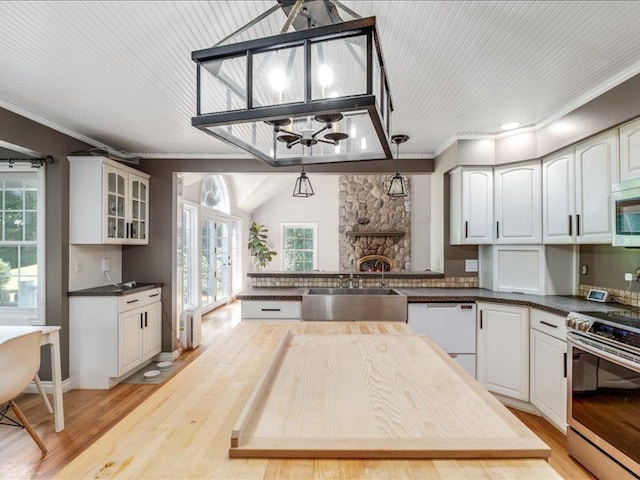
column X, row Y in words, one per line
column 374, row 263
column 372, row 223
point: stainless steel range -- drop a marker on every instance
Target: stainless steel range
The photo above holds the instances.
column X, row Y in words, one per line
column 604, row 392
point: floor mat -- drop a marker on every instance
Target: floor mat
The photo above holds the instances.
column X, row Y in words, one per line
column 165, row 373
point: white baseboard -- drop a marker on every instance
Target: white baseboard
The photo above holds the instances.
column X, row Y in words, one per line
column 518, row 404
column 48, row 386
column 169, row 356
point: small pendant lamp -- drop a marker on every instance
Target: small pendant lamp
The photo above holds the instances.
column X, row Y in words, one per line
column 396, row 187
column 303, row 186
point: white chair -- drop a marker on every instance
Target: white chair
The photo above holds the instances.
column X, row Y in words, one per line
column 19, row 362
column 25, row 322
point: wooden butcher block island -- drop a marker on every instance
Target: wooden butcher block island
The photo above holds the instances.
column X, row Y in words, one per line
column 374, row 396
column 383, row 402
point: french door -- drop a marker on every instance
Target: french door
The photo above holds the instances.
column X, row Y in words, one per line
column 214, row 261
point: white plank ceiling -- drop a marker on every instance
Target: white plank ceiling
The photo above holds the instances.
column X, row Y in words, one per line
column 120, row 73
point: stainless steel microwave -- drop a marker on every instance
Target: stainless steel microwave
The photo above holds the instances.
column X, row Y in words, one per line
column 625, row 198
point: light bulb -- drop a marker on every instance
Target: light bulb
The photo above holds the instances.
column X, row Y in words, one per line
column 352, row 131
column 278, row 79
column 363, row 143
column 336, row 149
column 510, row 125
column 325, row 75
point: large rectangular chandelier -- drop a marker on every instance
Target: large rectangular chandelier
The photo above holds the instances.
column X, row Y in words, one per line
column 319, row 95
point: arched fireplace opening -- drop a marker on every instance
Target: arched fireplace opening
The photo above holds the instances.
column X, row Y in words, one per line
column 369, row 263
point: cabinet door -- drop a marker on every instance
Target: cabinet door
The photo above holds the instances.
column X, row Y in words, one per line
column 115, row 205
column 130, row 326
column 139, row 208
column 477, row 206
column 630, row 151
column 503, row 350
column 152, row 334
column 558, row 198
column 518, row 195
column 596, row 171
column 549, row 377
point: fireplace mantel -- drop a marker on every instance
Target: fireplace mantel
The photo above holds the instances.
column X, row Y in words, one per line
column 389, row 233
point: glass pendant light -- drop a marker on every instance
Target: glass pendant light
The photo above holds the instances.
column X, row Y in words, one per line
column 396, row 187
column 303, row 186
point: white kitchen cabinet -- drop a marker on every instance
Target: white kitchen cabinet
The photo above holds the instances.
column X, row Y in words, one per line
column 518, row 203
column 471, row 205
column 111, row 336
column 533, row 269
column 108, row 202
column 559, row 198
column 503, row 350
column 270, row 310
column 629, row 150
column 596, row 170
column 548, row 367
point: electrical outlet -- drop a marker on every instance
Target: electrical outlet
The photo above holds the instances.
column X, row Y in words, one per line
column 637, row 274
column 105, row 265
column 79, row 266
column 585, row 269
column 628, row 277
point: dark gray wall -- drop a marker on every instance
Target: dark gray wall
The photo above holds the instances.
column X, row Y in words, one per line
column 26, row 133
column 607, row 266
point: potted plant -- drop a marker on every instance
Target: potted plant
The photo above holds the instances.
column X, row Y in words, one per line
column 260, row 253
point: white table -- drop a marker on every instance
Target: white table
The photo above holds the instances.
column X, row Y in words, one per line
column 50, row 336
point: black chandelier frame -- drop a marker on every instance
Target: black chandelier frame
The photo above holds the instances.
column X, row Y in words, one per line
column 380, row 118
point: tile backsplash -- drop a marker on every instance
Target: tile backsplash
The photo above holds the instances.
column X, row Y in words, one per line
column 626, row 297
column 332, row 281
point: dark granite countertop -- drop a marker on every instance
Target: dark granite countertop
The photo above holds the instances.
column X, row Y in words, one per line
column 558, row 304
column 414, row 274
column 112, row 290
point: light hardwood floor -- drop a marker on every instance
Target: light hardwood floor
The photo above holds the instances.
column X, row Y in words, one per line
column 90, row 413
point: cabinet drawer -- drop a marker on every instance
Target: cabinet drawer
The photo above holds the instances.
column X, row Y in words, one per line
column 549, row 323
column 270, row 309
column 139, row 299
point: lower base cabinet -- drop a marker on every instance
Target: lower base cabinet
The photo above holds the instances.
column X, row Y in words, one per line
column 549, row 368
column 110, row 336
column 503, row 349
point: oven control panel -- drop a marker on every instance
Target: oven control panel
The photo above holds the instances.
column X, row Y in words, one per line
column 576, row 321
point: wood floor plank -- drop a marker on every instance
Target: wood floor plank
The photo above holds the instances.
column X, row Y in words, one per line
column 89, row 414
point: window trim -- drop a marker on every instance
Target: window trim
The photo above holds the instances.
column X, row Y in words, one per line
column 37, row 315
column 312, row 225
column 193, row 208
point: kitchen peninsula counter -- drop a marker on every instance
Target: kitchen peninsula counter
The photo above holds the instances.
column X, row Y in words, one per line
column 557, row 304
column 183, row 430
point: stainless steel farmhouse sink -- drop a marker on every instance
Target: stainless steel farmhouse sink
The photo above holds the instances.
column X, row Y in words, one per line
column 354, row 304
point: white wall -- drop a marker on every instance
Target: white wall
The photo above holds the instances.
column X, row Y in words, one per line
column 88, row 259
column 321, row 208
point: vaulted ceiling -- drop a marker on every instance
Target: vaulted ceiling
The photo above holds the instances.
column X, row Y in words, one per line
column 119, row 73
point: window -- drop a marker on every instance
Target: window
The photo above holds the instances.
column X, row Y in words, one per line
column 188, row 256
column 299, row 248
column 22, row 243
column 214, row 194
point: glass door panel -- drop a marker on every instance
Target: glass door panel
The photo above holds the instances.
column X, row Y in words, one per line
column 139, row 208
column 222, row 261
column 116, row 205
column 207, row 262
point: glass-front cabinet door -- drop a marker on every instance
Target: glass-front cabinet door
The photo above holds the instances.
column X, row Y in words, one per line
column 116, row 201
column 139, row 197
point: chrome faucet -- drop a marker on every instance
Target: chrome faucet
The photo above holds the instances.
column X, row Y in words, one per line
column 382, row 282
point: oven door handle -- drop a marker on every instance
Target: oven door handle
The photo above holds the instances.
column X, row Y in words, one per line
column 623, row 362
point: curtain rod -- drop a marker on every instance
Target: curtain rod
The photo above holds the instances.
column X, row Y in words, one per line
column 35, row 162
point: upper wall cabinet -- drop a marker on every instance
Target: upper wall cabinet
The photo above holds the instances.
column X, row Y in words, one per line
column 630, row 150
column 518, row 193
column 559, row 198
column 471, row 207
column 596, row 170
column 108, row 202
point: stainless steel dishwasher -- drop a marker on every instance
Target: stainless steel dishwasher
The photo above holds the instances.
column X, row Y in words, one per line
column 450, row 325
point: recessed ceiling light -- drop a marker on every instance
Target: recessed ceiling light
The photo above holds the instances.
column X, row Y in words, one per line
column 510, row 125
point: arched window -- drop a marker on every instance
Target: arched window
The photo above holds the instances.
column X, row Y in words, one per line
column 214, row 194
